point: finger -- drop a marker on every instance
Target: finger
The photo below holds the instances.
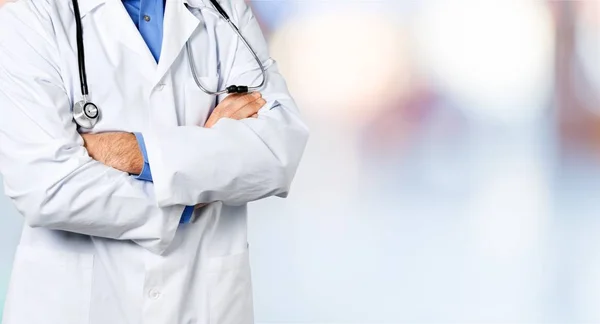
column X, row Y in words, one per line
column 239, row 103
column 226, row 102
column 254, row 116
column 221, row 109
column 229, row 106
column 212, row 119
column 249, row 109
column 229, row 100
column 217, row 113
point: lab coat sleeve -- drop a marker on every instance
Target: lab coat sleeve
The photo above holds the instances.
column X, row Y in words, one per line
column 235, row 161
column 47, row 172
column 146, row 175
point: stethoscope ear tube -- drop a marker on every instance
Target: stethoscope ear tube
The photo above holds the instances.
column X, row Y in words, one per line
column 233, row 88
column 80, row 50
column 220, row 9
column 86, row 114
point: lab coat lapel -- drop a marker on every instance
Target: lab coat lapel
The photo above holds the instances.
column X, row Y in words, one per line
column 122, row 28
column 86, row 6
column 179, row 25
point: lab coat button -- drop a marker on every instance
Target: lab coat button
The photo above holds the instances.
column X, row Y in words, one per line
column 154, row 294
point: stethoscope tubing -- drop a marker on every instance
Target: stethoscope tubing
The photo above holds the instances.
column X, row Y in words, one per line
column 85, row 120
column 80, row 50
column 220, row 12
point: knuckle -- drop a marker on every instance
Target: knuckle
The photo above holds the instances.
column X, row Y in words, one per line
column 240, row 100
column 249, row 98
column 225, row 101
column 228, row 100
column 229, row 110
column 260, row 103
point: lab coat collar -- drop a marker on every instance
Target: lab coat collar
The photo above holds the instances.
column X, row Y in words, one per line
column 194, row 3
column 179, row 25
column 86, row 6
column 120, row 25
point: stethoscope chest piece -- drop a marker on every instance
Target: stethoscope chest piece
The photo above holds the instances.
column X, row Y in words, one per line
column 86, row 114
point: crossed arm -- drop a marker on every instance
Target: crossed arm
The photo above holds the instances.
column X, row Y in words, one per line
column 58, row 184
column 121, row 150
column 125, row 152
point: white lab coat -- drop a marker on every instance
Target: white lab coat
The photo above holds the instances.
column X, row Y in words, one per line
column 100, row 246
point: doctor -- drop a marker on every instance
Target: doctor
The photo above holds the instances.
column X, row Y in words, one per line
column 136, row 212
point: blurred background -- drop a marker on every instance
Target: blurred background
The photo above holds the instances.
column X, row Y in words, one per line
column 453, row 174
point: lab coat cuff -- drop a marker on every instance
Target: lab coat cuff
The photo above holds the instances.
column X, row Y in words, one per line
column 146, row 174
column 161, row 178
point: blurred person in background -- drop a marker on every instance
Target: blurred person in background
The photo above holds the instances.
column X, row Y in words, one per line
column 431, row 173
column 577, row 77
column 577, row 174
column 138, row 213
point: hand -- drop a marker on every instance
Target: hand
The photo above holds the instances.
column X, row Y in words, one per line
column 237, row 106
column 117, row 150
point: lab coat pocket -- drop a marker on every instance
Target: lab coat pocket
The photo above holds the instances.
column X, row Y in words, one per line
column 198, row 104
column 49, row 287
column 230, row 290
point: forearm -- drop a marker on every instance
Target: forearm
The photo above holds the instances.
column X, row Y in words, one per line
column 264, row 171
column 55, row 184
column 46, row 170
column 76, row 194
column 237, row 161
column 126, row 152
column 120, row 151
column 233, row 161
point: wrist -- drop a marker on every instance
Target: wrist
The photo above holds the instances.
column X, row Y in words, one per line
column 121, row 152
column 136, row 159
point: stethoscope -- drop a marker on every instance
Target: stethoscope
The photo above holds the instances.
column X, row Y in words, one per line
column 86, row 114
